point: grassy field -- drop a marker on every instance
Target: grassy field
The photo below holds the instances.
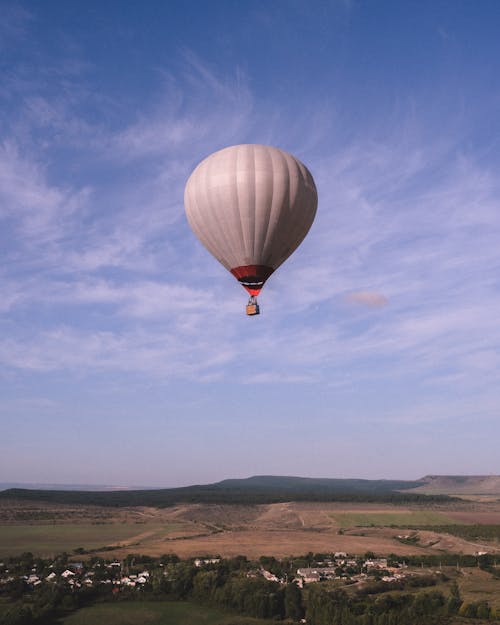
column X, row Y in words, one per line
column 474, row 585
column 478, row 585
column 49, row 539
column 156, row 613
column 387, row 519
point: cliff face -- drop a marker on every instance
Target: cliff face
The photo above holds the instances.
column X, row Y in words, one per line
column 460, row 485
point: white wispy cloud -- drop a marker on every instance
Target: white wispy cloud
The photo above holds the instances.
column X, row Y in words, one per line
column 27, row 199
column 155, row 354
column 195, row 108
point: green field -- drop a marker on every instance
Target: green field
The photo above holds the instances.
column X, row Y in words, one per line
column 477, row 585
column 45, row 540
column 387, row 519
column 156, row 613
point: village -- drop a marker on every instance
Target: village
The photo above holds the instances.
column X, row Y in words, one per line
column 130, row 574
column 289, row 589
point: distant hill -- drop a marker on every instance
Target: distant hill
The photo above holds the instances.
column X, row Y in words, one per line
column 459, row 485
column 86, row 487
column 289, row 483
column 253, row 490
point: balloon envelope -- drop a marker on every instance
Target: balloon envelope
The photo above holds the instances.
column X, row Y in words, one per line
column 251, row 206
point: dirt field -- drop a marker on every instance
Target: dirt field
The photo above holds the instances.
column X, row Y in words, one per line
column 481, row 517
column 277, row 529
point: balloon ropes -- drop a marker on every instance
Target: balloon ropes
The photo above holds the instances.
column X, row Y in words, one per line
column 251, row 206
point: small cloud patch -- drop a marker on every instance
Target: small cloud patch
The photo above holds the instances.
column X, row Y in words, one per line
column 368, row 298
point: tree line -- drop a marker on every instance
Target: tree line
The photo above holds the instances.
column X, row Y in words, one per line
column 213, row 494
column 469, row 532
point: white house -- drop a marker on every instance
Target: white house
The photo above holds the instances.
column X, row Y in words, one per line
column 269, row 576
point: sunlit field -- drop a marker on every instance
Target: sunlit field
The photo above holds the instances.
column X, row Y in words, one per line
column 52, row 539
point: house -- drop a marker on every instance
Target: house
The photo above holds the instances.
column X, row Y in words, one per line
column 393, row 578
column 376, row 563
column 199, row 562
column 309, row 575
column 76, row 566
column 114, row 565
column 316, row 574
column 269, row 576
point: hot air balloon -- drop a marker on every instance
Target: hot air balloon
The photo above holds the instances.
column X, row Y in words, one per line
column 251, row 206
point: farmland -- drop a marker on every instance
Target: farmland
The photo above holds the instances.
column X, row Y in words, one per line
column 279, row 529
column 74, row 589
column 44, row 539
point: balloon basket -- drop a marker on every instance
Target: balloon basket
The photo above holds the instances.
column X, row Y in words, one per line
column 252, row 307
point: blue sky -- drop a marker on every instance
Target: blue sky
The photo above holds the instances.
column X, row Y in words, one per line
column 125, row 354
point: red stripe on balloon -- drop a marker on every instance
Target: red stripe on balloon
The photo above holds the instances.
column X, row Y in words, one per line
column 252, row 277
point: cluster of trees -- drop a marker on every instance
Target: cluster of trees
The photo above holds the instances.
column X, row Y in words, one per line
column 226, row 585
column 449, row 559
column 476, row 609
column 379, row 586
column 468, row 532
column 253, row 596
column 337, row 608
column 45, row 604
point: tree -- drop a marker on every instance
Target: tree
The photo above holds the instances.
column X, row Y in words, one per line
column 15, row 588
column 428, row 603
column 483, row 610
column 293, row 602
column 18, row 615
column 68, row 603
column 455, row 600
column 469, row 610
column 182, row 580
column 204, row 585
